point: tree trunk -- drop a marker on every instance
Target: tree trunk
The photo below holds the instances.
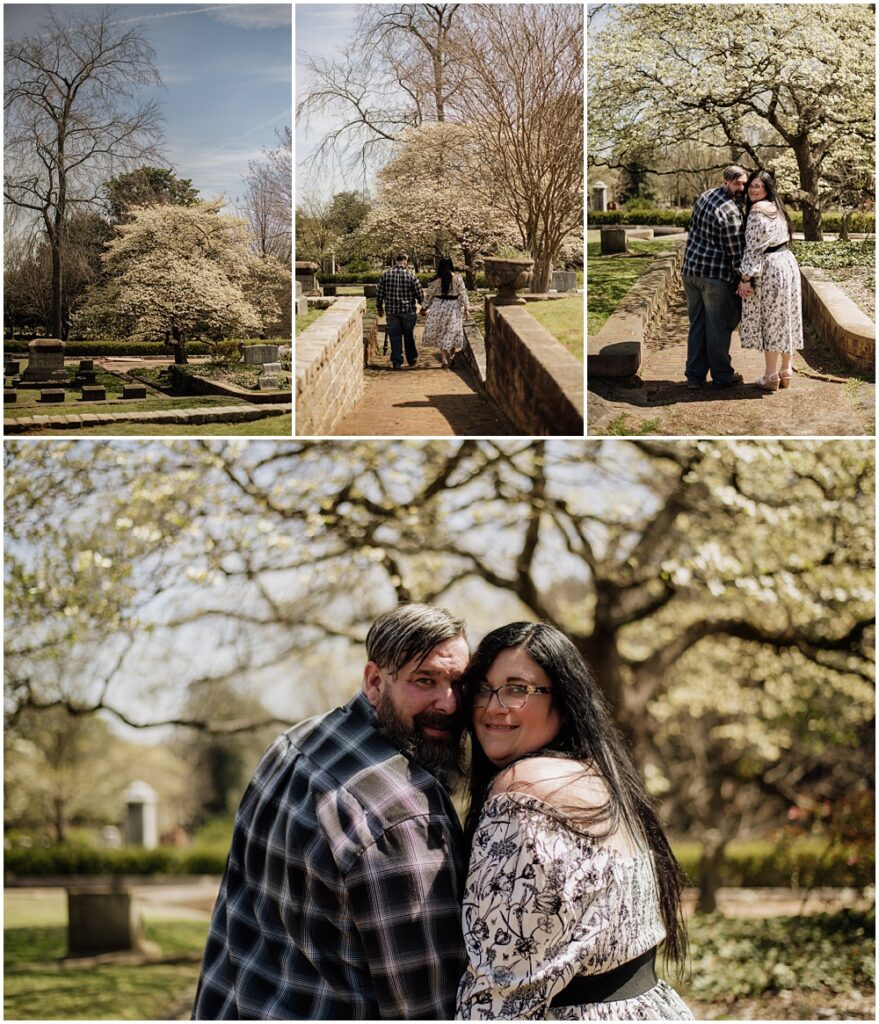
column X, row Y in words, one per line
column 57, row 314
column 542, row 276
column 59, row 819
column 714, row 847
column 180, row 358
column 469, row 272
column 809, row 185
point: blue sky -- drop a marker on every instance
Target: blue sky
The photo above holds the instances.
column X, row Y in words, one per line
column 321, row 30
column 227, row 75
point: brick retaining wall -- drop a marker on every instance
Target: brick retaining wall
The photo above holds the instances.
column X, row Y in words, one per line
column 329, row 366
column 838, row 320
column 618, row 348
column 532, row 376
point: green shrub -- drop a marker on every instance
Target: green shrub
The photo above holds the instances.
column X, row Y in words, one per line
column 130, row 348
column 833, row 255
column 640, row 215
column 802, row 863
column 734, row 958
column 830, row 221
column 370, row 277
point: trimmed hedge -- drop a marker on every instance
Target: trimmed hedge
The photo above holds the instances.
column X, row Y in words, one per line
column 681, row 218
column 750, row 865
column 73, row 859
column 130, row 348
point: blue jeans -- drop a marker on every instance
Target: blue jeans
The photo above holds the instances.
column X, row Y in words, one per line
column 401, row 328
column 714, row 310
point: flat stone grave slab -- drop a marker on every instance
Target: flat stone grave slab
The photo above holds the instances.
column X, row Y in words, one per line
column 94, row 393
column 10, row 395
column 12, row 367
column 52, row 395
column 134, row 391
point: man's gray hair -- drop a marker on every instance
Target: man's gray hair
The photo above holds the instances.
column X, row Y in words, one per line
column 409, row 631
column 734, row 171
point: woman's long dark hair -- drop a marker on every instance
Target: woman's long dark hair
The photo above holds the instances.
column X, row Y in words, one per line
column 444, row 270
column 772, row 196
column 589, row 734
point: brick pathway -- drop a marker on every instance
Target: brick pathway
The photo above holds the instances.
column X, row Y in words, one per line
column 825, row 399
column 424, row 401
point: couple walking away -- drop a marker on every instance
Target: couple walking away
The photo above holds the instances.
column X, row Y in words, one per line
column 738, row 267
column 347, row 893
column 445, row 304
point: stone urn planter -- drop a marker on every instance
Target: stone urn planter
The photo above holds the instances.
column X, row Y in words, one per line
column 508, row 276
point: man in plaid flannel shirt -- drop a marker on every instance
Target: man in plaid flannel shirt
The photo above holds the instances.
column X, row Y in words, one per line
column 715, row 244
column 397, row 292
column 342, row 893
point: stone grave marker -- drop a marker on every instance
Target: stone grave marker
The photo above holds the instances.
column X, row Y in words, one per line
column 102, row 919
column 613, row 240
column 256, row 354
column 141, row 827
column 45, row 363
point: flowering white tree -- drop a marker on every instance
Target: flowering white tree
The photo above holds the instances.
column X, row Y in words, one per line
column 180, row 272
column 775, row 79
column 426, row 199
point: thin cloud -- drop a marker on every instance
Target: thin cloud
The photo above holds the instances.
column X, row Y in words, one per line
column 239, row 15
column 253, row 15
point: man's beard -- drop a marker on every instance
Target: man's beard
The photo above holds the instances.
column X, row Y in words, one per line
column 444, row 760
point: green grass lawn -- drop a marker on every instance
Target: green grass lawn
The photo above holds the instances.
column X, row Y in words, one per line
column 306, row 321
column 36, row 989
column 270, row 426
column 73, row 406
column 610, row 277
column 563, row 318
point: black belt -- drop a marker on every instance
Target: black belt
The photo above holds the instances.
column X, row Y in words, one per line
column 624, row 982
column 455, row 297
column 776, row 248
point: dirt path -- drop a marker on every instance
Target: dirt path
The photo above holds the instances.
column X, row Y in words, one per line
column 424, row 400
column 825, row 399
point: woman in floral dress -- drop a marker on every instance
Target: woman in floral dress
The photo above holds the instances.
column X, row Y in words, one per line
column 772, row 318
column 572, row 883
column 446, row 304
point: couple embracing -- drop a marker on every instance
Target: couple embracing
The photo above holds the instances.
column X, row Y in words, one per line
column 738, row 267
column 347, row 892
column 445, row 304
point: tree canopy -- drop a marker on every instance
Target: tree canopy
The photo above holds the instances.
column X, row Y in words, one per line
column 723, row 591
column 176, row 272
column 788, row 86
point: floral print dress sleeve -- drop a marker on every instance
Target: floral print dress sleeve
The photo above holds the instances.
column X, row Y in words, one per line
column 463, row 297
column 429, row 294
column 545, row 903
column 765, row 229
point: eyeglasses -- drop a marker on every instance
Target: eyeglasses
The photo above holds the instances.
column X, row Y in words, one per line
column 511, row 695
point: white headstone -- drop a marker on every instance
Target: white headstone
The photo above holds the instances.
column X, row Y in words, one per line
column 141, row 820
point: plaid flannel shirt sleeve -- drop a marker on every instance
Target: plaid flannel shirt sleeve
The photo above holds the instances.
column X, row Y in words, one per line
column 731, row 234
column 380, row 293
column 418, row 290
column 405, row 898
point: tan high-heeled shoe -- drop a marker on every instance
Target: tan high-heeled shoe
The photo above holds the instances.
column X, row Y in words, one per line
column 770, row 383
column 785, row 378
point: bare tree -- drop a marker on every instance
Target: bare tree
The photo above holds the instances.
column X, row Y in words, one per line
column 267, row 203
column 72, row 121
column 524, row 101
column 399, row 74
